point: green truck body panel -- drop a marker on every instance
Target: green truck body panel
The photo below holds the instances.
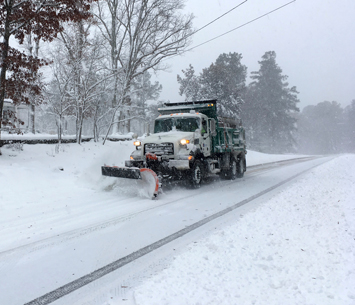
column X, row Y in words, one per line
column 230, row 135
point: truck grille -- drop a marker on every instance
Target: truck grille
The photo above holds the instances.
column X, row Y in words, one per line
column 159, row 149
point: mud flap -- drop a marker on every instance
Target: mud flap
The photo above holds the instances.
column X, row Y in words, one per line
column 149, row 178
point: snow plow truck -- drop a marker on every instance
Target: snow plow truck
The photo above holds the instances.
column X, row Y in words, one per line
column 189, row 143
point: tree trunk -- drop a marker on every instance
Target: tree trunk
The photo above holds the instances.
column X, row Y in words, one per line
column 81, row 130
column 60, row 130
column 4, row 55
column 116, row 126
column 79, row 126
column 32, row 119
column 121, row 123
column 33, row 110
column 96, row 129
column 128, row 125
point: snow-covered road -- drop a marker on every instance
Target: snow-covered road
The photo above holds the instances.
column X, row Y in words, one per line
column 57, row 229
column 298, row 247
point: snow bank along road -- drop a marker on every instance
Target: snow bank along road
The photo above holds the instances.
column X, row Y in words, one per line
column 54, row 268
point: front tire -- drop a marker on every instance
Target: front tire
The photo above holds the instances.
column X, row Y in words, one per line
column 196, row 174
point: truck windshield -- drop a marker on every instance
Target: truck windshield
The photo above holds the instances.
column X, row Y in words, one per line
column 186, row 124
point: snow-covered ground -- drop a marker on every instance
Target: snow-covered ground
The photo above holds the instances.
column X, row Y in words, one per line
column 41, row 186
column 43, row 191
column 296, row 248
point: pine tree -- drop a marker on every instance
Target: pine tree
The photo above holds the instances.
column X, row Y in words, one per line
column 223, row 80
column 144, row 90
column 271, row 107
column 321, row 129
column 350, row 126
column 190, row 85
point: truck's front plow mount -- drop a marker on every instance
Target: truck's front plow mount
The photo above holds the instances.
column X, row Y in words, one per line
column 148, row 176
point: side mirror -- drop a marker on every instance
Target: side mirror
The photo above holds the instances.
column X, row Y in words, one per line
column 213, row 127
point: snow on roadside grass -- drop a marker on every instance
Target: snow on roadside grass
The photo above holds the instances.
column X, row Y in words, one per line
column 296, row 248
column 44, row 193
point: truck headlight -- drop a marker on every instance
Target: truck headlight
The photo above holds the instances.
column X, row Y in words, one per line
column 136, row 155
column 137, row 143
column 184, row 142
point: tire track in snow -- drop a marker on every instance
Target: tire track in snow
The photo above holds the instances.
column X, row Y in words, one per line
column 86, row 279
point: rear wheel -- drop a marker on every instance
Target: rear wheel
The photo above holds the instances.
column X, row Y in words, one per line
column 241, row 167
column 232, row 172
column 196, row 174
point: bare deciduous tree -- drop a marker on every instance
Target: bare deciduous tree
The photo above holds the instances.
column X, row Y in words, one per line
column 81, row 61
column 141, row 34
column 57, row 96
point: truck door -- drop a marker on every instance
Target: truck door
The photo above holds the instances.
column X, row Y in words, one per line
column 205, row 138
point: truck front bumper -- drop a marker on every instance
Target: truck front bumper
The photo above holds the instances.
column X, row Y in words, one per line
column 171, row 164
column 179, row 164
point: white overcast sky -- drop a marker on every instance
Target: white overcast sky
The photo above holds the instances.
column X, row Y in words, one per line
column 314, row 41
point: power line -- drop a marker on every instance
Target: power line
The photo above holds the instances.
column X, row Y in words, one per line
column 217, row 18
column 280, row 7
